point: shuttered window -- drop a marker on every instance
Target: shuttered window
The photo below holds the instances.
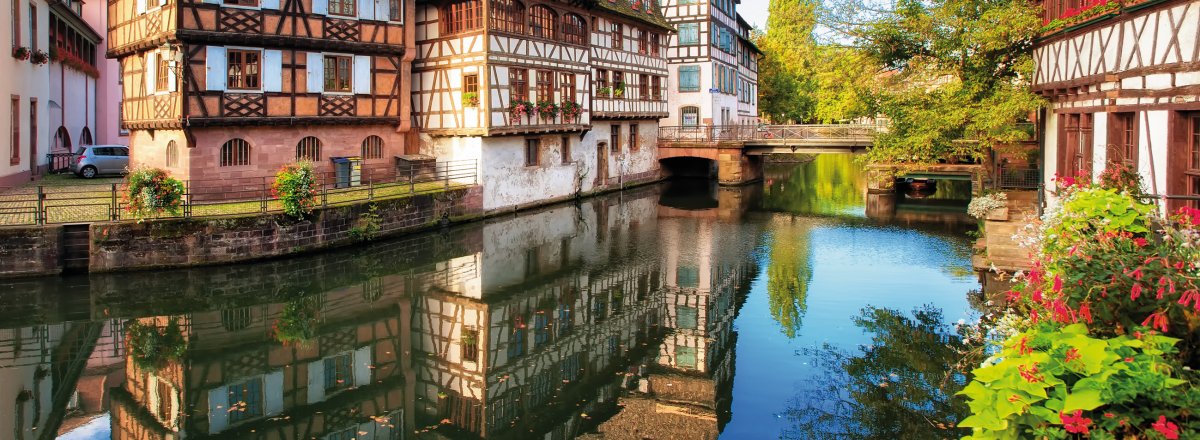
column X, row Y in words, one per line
column 689, row 33
column 243, row 67
column 689, row 78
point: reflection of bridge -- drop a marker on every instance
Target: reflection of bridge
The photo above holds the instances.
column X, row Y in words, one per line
column 737, row 149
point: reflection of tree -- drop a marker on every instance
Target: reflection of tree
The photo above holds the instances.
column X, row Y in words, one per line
column 901, row 386
column 830, row 184
column 788, row 275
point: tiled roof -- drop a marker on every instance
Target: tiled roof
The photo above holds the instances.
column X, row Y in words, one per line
column 648, row 11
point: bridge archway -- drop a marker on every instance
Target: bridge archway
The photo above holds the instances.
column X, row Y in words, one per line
column 689, row 167
column 729, row 164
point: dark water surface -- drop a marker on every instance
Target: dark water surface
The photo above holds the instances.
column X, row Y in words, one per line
column 678, row 311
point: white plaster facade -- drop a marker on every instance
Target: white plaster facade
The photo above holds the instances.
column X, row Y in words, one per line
column 726, row 91
column 27, row 89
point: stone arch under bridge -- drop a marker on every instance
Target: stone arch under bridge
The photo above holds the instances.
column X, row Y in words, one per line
column 731, row 165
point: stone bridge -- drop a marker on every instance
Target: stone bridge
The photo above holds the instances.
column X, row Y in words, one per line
column 737, row 150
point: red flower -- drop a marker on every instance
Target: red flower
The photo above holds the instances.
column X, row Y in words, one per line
column 1030, row 373
column 1037, row 296
column 1075, row 423
column 1072, row 354
column 1135, row 292
column 1012, row 295
column 1085, row 312
column 1167, row 429
column 1157, row 320
column 1136, row 274
column 1139, row 242
column 1057, row 284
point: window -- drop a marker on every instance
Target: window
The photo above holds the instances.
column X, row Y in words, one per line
column 33, row 27
column 643, row 41
column 395, row 10
column 309, row 149
column 614, row 138
column 518, row 81
column 691, row 115
column 1193, row 159
column 643, row 87
column 235, row 319
column 541, row 21
column 1123, row 137
column 687, row 276
column 33, row 130
column 470, row 345
column 471, row 83
column 338, row 71
column 617, row 42
column 545, row 86
column 689, row 78
column 85, row 137
column 1075, row 144
column 172, row 154
column 656, row 88
column 372, row 147
column 165, row 400
column 566, row 150
column 14, row 155
column 654, row 44
column 342, row 7
column 618, row 83
column 245, row 400
column 235, row 152
column 531, row 152
column 689, row 33
column 339, row 372
column 16, row 23
column 686, row 317
column 243, row 68
column 461, row 16
column 633, row 137
column 566, row 87
column 601, row 79
column 685, row 357
column 574, row 30
column 508, row 16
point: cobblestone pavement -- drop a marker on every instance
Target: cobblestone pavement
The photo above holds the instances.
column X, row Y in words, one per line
column 70, row 199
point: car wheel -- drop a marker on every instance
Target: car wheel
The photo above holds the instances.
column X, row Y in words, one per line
column 88, row 172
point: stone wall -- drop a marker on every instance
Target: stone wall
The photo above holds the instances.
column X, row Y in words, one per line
column 192, row 242
column 30, row 250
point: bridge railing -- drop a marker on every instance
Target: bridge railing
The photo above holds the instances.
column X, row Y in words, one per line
column 717, row 133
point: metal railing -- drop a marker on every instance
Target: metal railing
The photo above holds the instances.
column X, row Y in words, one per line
column 1017, row 178
column 714, row 133
column 60, row 162
column 91, row 202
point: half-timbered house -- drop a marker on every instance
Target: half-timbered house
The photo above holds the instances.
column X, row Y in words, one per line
column 1123, row 80
column 714, row 63
column 550, row 98
column 221, row 89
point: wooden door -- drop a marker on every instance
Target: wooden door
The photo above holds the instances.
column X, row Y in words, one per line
column 601, row 163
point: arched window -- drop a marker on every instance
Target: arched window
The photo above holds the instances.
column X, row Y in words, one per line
column 235, row 152
column 461, row 16
column 508, row 16
column 691, row 115
column 372, row 147
column 172, row 154
column 541, row 21
column 62, row 139
column 85, row 137
column 574, row 29
column 309, row 149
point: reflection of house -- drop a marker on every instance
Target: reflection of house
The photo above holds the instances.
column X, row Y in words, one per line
column 237, row 379
column 39, row 366
column 560, row 316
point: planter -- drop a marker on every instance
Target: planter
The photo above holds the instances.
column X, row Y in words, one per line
column 998, row 214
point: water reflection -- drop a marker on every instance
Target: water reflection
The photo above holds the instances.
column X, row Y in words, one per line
column 626, row 316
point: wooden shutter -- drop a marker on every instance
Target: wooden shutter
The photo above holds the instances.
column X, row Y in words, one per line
column 270, row 4
column 362, row 74
column 151, row 72
column 320, row 7
column 362, row 366
column 218, row 409
column 316, row 72
column 366, row 10
column 316, row 381
column 273, row 393
column 171, row 79
column 215, row 66
column 272, row 71
column 383, row 10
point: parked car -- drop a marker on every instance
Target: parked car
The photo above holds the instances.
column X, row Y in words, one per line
column 94, row 160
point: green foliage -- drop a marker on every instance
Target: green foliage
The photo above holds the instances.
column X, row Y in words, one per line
column 1091, row 211
column 831, row 184
column 789, row 272
column 1042, row 377
column 296, row 187
column 367, row 225
column 152, row 347
column 151, row 192
column 297, row 323
column 470, row 99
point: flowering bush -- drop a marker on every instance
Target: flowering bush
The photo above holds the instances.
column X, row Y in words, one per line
column 547, row 109
column 297, row 323
column 570, row 109
column 296, row 187
column 982, row 205
column 519, row 108
column 21, row 53
column 1053, row 382
column 151, row 192
column 1123, row 178
column 151, row 347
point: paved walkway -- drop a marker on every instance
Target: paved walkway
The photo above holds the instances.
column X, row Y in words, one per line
column 1002, row 251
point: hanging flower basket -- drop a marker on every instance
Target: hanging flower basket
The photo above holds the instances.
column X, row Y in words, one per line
column 547, row 109
column 152, row 347
column 151, row 192
column 39, row 57
column 21, row 53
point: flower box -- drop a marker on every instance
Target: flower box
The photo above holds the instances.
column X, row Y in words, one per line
column 998, row 214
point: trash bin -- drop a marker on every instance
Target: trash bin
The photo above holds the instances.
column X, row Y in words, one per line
column 347, row 171
column 414, row 168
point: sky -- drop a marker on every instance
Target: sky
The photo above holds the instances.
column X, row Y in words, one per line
column 755, row 12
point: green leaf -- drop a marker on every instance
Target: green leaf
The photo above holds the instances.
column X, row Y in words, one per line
column 1085, row 399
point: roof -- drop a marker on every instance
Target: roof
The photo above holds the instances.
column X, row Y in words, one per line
column 624, row 8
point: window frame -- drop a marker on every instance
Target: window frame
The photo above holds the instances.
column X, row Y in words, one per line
column 239, row 153
column 533, row 152
column 1191, row 167
column 544, row 82
column 683, row 113
column 345, row 8
column 614, row 138
column 644, row 87
column 460, row 17
column 518, row 84
column 574, row 29
column 241, row 53
column 172, row 154
column 543, row 22
column 694, row 38
column 507, row 16
column 309, row 148
column 616, row 33
column 633, row 138
column 371, row 148
column 328, row 79
column 565, row 150
column 690, row 70
column 342, row 369
column 643, row 41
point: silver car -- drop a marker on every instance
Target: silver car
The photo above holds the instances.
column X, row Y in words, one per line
column 94, row 160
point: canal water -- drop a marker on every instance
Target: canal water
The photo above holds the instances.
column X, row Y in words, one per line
column 676, row 311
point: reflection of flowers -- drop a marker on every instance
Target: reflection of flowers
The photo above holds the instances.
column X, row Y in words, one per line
column 297, row 323
column 152, row 347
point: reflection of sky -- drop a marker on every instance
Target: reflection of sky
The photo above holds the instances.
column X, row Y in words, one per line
column 853, row 267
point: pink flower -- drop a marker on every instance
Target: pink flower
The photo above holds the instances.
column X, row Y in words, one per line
column 1057, row 284
column 1135, row 292
column 1167, row 429
column 1157, row 320
column 1139, row 242
column 1075, row 423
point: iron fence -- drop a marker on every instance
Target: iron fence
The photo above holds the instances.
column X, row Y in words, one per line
column 60, row 162
column 91, row 202
column 716, row 133
column 1017, row 178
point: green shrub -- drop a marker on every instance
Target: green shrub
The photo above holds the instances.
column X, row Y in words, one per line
column 297, row 323
column 367, row 225
column 296, row 187
column 150, row 192
column 152, row 347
